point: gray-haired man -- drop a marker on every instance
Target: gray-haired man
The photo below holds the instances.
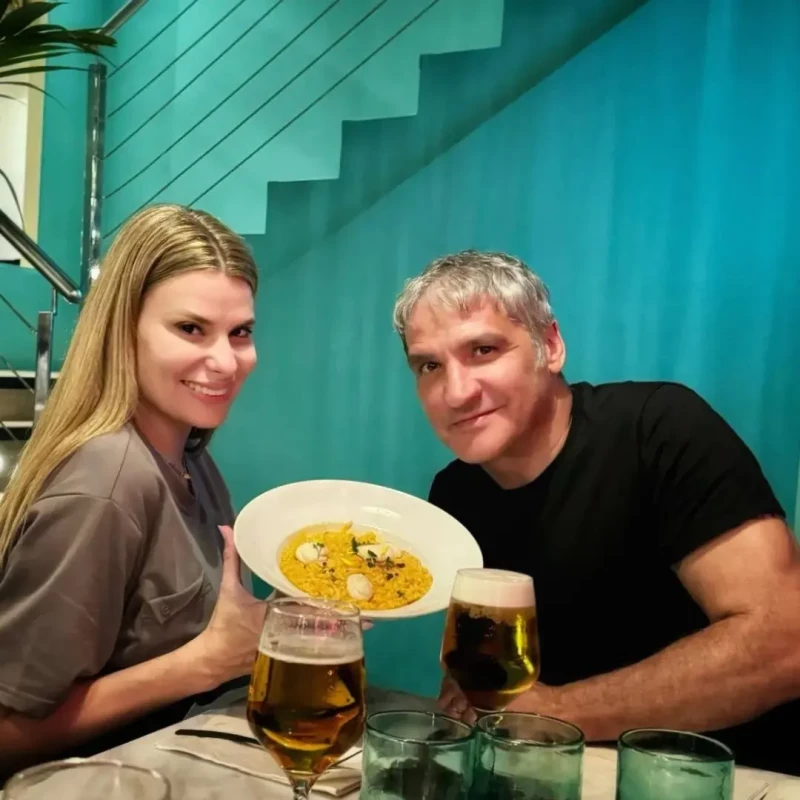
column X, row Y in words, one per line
column 667, row 582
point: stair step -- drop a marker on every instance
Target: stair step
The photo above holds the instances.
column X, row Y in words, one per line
column 16, row 408
column 15, row 432
column 10, row 377
column 313, row 70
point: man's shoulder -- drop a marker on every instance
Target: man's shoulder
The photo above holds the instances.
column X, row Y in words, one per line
column 641, row 405
column 632, row 395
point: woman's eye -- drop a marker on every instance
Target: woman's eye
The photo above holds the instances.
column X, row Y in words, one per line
column 245, row 332
column 189, row 327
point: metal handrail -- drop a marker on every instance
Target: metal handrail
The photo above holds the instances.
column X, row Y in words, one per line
column 40, row 261
column 121, row 16
column 95, row 153
column 44, row 359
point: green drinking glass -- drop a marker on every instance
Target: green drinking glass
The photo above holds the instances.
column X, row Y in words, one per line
column 659, row 764
column 527, row 757
column 416, row 755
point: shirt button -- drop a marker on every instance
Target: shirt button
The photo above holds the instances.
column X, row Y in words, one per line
column 165, row 609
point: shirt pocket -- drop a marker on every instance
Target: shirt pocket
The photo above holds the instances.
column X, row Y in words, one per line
column 166, row 607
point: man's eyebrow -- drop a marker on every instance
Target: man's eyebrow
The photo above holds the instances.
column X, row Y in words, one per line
column 474, row 340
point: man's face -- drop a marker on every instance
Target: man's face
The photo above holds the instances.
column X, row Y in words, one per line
column 482, row 381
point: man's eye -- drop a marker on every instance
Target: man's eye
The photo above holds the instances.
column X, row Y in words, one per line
column 428, row 366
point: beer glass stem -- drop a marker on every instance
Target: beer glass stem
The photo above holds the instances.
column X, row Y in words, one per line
column 301, row 788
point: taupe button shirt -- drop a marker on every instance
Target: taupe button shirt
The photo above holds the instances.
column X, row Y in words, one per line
column 119, row 563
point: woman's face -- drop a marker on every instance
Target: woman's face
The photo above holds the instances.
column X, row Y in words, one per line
column 194, row 349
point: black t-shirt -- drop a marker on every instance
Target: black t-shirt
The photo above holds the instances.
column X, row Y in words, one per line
column 648, row 473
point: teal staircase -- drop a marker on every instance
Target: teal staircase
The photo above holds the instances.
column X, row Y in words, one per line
column 458, row 92
column 229, row 98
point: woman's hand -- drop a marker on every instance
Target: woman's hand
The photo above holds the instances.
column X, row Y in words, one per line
column 229, row 644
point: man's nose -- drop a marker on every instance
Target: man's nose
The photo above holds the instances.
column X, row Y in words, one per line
column 461, row 387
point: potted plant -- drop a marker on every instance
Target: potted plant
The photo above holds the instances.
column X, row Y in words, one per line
column 29, row 45
column 25, row 40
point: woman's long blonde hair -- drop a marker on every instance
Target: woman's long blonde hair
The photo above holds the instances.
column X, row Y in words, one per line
column 97, row 392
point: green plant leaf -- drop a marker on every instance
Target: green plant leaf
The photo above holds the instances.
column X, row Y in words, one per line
column 25, row 15
column 12, row 51
column 62, row 38
column 42, row 26
column 4, row 4
column 57, row 33
column 46, row 40
column 20, row 45
column 93, row 36
column 31, row 70
column 31, row 54
column 31, row 86
column 14, row 195
column 24, row 58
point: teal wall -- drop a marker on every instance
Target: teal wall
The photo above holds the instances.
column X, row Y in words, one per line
column 652, row 181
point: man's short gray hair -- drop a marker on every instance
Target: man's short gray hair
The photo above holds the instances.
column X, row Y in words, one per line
column 456, row 281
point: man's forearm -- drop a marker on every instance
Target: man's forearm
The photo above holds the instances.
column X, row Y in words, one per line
column 94, row 707
column 725, row 674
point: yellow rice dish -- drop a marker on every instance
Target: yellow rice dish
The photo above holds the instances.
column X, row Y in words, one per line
column 332, row 562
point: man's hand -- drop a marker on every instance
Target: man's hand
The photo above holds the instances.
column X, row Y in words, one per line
column 541, row 699
column 453, row 702
column 746, row 661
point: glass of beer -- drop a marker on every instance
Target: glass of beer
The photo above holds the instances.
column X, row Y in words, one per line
column 491, row 640
column 305, row 703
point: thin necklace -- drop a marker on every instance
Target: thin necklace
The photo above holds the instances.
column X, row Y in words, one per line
column 181, row 470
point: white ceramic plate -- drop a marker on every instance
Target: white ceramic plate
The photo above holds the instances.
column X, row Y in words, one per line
column 442, row 543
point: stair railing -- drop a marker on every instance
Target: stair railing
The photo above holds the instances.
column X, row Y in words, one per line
column 62, row 286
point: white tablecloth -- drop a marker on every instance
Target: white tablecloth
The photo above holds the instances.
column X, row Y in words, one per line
column 193, row 779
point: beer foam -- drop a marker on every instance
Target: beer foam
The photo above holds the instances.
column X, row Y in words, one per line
column 496, row 588
column 312, row 650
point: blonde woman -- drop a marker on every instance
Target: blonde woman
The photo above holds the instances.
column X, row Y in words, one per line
column 119, row 582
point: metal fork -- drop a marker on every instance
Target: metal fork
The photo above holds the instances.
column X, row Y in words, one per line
column 760, row 793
